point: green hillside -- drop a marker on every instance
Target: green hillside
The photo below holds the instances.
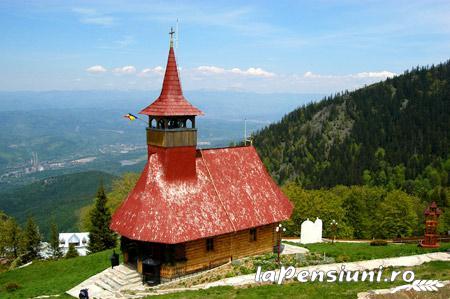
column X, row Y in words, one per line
column 52, row 277
column 59, row 197
column 393, row 128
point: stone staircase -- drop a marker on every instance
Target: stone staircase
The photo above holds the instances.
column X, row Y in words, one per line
column 120, row 282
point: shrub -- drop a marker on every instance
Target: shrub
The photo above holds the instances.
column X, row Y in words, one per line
column 16, row 263
column 236, row 262
column 378, row 243
column 244, row 270
column 342, row 258
column 11, row 286
column 72, row 252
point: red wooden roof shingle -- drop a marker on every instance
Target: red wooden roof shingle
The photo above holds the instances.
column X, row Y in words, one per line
column 171, row 101
column 232, row 191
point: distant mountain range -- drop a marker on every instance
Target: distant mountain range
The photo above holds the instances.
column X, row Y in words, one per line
column 216, row 104
column 49, row 133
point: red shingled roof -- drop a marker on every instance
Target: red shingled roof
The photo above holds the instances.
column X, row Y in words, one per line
column 171, row 101
column 232, row 191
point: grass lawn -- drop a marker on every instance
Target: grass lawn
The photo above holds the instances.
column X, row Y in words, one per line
column 56, row 277
column 53, row 277
column 350, row 252
column 432, row 270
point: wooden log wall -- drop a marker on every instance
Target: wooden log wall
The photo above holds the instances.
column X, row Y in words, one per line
column 166, row 138
column 228, row 247
column 265, row 240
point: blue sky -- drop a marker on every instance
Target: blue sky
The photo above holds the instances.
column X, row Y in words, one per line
column 258, row 46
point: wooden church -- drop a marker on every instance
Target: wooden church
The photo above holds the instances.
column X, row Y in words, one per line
column 194, row 209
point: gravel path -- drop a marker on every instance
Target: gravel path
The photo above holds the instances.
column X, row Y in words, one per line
column 291, row 249
column 325, row 240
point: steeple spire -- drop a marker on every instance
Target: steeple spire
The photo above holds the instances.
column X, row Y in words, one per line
column 171, row 101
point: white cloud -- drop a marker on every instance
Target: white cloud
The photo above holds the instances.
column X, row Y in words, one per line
column 382, row 74
column 310, row 74
column 105, row 21
column 91, row 16
column 362, row 75
column 255, row 72
column 84, row 11
column 211, row 69
column 158, row 70
column 125, row 41
column 259, row 72
column 126, row 70
column 211, row 77
column 96, row 69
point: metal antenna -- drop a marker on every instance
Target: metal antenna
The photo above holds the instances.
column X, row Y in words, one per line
column 176, row 35
column 245, row 131
column 245, row 134
column 176, row 45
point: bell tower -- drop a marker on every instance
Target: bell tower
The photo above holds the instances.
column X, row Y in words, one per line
column 171, row 132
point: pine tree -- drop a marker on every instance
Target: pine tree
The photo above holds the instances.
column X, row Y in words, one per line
column 54, row 241
column 71, row 252
column 13, row 237
column 101, row 237
column 3, row 236
column 31, row 240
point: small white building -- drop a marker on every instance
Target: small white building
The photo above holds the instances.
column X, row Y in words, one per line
column 80, row 240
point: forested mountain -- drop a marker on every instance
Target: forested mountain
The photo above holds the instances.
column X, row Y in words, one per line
column 395, row 128
column 58, row 199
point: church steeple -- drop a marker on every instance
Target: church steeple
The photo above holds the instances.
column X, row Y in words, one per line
column 171, row 101
column 171, row 132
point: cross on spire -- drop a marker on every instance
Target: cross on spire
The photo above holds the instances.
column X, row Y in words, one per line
column 171, row 36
